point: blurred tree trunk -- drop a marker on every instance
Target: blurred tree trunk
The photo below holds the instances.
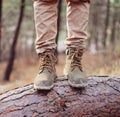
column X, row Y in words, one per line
column 59, row 19
column 114, row 24
column 12, row 50
column 95, row 23
column 0, row 26
column 58, row 22
column 118, row 30
column 106, row 25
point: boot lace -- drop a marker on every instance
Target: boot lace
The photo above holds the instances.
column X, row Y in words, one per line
column 76, row 59
column 47, row 61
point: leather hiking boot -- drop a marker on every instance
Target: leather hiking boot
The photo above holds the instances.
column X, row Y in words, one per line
column 73, row 68
column 47, row 73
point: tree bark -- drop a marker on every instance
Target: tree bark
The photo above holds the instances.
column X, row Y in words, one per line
column 101, row 98
column 12, row 50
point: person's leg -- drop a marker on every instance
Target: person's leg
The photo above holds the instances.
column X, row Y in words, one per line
column 77, row 22
column 45, row 15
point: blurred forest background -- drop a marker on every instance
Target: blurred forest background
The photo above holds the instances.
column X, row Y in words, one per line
column 17, row 36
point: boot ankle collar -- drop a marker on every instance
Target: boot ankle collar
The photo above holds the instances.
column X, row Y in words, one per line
column 53, row 51
column 72, row 50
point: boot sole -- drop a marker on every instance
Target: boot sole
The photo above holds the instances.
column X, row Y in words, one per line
column 76, row 85
column 43, row 88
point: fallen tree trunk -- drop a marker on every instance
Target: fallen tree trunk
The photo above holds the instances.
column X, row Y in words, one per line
column 101, row 98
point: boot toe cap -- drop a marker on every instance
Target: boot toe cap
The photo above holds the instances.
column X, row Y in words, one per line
column 43, row 82
column 77, row 79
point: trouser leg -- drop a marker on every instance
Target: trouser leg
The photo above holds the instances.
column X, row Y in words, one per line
column 77, row 22
column 45, row 15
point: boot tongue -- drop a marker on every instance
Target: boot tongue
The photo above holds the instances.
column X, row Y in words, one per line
column 70, row 51
column 73, row 51
column 74, row 55
column 47, row 61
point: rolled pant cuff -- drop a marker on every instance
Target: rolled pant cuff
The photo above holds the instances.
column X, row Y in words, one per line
column 76, row 43
column 41, row 50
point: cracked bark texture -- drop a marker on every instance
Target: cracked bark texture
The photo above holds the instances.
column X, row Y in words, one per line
column 101, row 98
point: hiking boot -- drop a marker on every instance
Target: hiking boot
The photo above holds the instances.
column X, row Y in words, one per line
column 73, row 68
column 47, row 73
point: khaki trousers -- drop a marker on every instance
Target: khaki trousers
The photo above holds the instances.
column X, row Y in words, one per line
column 45, row 16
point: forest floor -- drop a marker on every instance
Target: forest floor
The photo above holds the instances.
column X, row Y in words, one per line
column 25, row 70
